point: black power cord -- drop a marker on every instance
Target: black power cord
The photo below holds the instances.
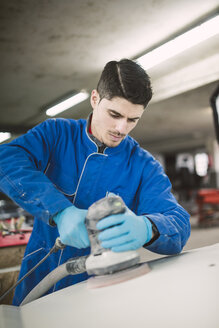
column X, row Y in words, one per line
column 57, row 246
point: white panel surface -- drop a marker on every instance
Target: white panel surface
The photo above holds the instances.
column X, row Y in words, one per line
column 179, row 291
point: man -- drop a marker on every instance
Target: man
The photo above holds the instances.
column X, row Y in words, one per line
column 61, row 167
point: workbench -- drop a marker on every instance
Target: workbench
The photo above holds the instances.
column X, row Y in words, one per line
column 12, row 248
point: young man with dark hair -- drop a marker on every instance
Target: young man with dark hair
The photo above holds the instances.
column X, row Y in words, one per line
column 62, row 166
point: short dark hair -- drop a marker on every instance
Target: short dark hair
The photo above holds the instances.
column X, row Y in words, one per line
column 126, row 79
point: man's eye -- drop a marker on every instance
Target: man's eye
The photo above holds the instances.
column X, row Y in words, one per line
column 114, row 115
column 132, row 120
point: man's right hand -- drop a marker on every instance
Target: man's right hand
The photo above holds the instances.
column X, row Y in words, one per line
column 71, row 227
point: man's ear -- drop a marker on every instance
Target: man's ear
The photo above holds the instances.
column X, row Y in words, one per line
column 94, row 98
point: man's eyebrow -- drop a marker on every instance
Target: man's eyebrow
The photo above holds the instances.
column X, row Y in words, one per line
column 118, row 114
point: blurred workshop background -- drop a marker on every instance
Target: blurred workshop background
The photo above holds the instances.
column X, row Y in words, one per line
column 54, row 50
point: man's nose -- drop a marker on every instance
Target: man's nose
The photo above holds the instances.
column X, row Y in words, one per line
column 122, row 126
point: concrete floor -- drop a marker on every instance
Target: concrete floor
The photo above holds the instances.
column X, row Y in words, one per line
column 201, row 237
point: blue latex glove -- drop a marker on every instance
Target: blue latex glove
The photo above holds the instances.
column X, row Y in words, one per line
column 129, row 231
column 71, row 227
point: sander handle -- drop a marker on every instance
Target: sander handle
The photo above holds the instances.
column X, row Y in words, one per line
column 102, row 208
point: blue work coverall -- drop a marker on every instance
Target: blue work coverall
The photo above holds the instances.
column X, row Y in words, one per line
column 57, row 164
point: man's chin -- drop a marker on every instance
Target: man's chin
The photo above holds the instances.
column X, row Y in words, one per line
column 113, row 144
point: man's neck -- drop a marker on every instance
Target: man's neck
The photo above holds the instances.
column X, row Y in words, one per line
column 101, row 146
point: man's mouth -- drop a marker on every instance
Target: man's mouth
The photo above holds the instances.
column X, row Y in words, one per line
column 116, row 137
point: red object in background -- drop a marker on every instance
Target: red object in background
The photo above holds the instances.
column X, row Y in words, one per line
column 21, row 238
column 210, row 196
column 12, row 234
column 207, row 197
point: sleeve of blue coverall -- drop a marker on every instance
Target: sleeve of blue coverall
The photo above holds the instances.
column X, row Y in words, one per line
column 160, row 206
column 22, row 166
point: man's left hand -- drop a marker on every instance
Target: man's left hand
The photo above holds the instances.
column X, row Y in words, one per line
column 124, row 232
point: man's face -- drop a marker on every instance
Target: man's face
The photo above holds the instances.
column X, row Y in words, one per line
column 113, row 119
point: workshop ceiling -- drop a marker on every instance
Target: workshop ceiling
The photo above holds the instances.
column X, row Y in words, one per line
column 51, row 47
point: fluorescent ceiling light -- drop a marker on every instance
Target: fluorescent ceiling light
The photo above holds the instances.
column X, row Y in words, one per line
column 68, row 103
column 181, row 43
column 4, row 136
